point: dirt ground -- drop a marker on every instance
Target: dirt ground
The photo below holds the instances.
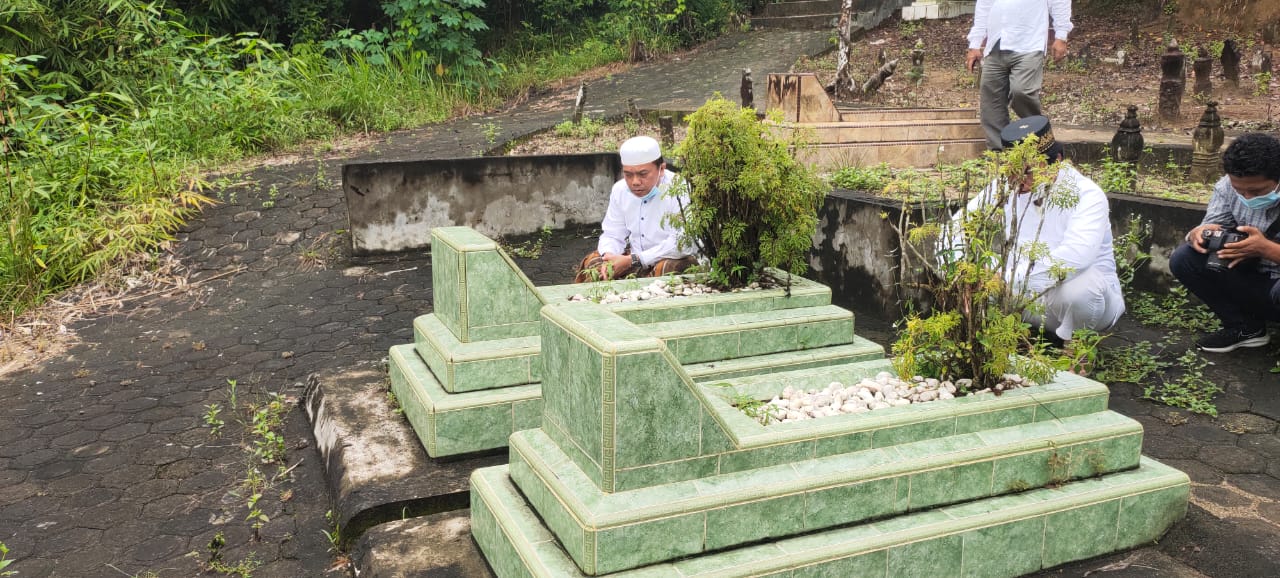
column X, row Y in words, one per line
column 1083, row 89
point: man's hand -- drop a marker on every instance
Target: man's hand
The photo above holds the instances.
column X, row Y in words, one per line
column 972, row 58
column 1058, row 50
column 1255, row 245
column 1196, row 237
column 614, row 266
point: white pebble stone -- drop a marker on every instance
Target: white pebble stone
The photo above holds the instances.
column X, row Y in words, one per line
column 880, row 405
column 900, row 402
column 944, row 394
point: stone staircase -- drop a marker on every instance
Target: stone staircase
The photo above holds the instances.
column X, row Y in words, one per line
column 639, row 470
column 472, row 375
column 843, row 135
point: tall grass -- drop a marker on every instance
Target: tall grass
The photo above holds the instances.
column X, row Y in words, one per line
column 105, row 161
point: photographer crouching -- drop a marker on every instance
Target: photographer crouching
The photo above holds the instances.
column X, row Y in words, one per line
column 1232, row 260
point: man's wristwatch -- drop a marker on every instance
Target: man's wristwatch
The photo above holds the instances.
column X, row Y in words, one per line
column 635, row 262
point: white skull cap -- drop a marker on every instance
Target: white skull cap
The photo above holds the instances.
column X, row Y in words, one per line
column 640, row 150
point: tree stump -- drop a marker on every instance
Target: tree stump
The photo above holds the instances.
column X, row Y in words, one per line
column 874, row 83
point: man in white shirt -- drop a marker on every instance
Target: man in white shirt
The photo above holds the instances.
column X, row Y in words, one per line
column 1077, row 237
column 635, row 238
column 1009, row 37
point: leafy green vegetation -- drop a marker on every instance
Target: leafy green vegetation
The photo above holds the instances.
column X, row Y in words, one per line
column 751, row 204
column 974, row 328
column 1190, row 390
column 1173, row 311
column 110, row 110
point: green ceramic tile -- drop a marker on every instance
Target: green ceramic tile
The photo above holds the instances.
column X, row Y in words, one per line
column 1016, row 434
column 714, row 438
column 866, row 565
column 473, row 429
column 766, row 341
column 1012, row 549
column 658, row 418
column 639, row 544
column 1145, row 517
column 842, row 444
column 553, row 514
column 905, row 434
column 1021, row 472
column 753, row 521
column 586, row 464
column 926, row 559
column 744, row 557
column 821, row 334
column 447, row 289
column 665, row 473
column 490, row 373
column 950, row 485
column 765, row 457
column 850, row 503
column 1070, row 407
column 497, row 295
column 526, row 415
column 995, row 419
column 1080, row 533
column 703, row 348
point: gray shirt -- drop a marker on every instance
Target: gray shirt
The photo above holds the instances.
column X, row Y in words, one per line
column 1226, row 209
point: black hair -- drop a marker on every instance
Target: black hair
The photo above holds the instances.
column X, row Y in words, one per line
column 658, row 161
column 1253, row 154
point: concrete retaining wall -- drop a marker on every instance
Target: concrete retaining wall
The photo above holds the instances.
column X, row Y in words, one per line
column 393, row 206
column 857, row 253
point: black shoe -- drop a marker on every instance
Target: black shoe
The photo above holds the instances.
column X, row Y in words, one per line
column 1233, row 338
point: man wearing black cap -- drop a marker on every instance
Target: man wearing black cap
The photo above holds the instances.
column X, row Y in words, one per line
column 1077, row 236
column 1240, row 281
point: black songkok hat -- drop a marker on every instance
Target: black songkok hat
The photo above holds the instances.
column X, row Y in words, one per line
column 1037, row 125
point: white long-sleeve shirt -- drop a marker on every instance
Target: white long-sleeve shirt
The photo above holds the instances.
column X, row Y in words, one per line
column 1019, row 25
column 630, row 219
column 1077, row 237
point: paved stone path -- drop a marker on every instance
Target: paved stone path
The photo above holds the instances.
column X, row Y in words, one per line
column 107, row 468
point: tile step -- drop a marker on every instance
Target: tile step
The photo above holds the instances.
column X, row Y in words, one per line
column 757, row 333
column 458, row 423
column 599, row 530
column 1010, row 535
column 861, row 349
column 462, row 367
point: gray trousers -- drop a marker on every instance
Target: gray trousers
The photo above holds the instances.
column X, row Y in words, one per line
column 1009, row 79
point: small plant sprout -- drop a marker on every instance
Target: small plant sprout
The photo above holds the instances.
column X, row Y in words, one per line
column 5, row 561
column 211, row 419
column 256, row 517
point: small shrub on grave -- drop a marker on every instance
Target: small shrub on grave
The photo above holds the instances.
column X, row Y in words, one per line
column 751, row 203
column 968, row 268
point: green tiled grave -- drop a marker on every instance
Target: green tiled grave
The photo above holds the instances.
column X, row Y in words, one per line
column 1010, row 535
column 636, row 465
column 806, row 495
column 483, row 334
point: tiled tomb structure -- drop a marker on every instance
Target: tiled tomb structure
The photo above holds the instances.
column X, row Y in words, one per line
column 472, row 375
column 638, row 469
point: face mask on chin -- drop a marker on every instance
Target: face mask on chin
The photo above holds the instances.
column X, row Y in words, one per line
column 1260, row 201
column 650, row 195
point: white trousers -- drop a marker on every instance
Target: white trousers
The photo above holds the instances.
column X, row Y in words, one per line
column 1088, row 300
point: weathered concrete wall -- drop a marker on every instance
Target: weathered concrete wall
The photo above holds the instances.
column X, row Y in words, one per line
column 393, row 206
column 857, row 253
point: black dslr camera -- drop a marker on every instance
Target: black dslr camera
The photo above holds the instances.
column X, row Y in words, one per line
column 1215, row 239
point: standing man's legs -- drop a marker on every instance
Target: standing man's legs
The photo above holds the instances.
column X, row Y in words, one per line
column 1009, row 79
column 994, row 95
column 1026, row 78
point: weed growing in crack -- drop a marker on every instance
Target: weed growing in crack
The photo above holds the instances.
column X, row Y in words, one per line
column 1131, row 363
column 1191, row 390
column 531, row 249
column 5, row 561
column 1173, row 311
column 334, row 536
column 395, row 403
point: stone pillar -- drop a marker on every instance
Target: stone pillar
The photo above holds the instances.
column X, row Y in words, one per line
column 1173, row 82
column 1205, row 142
column 747, row 91
column 1127, row 144
column 1231, row 62
column 1203, row 67
column 668, row 133
column 580, row 102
